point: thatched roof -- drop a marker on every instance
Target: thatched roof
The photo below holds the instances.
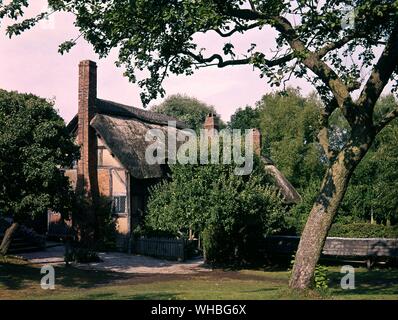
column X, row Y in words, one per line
column 125, row 137
column 117, row 109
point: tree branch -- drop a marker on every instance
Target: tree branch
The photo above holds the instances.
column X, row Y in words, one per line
column 335, row 45
column 381, row 73
column 386, row 120
column 313, row 62
column 238, row 29
column 222, row 63
column 323, row 135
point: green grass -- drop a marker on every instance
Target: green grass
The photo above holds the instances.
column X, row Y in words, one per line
column 19, row 280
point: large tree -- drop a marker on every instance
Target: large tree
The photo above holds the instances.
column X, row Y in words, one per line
column 34, row 145
column 369, row 196
column 187, row 109
column 313, row 40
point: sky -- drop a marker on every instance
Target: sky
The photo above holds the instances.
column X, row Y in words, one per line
column 31, row 63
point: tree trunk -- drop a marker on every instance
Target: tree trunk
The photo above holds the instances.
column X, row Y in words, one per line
column 5, row 244
column 331, row 194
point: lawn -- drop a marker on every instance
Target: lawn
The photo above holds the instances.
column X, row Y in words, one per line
column 19, row 280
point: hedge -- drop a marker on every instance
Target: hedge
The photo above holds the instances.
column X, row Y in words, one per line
column 363, row 230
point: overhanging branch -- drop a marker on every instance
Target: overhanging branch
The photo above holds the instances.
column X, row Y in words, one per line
column 238, row 29
column 381, row 73
column 224, row 63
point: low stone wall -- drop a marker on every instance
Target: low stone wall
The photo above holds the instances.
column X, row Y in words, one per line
column 340, row 247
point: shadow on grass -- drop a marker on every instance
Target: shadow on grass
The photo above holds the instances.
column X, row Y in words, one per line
column 20, row 276
column 373, row 282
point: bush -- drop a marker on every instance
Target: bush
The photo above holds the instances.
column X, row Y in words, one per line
column 82, row 255
column 299, row 212
column 232, row 213
column 363, row 230
column 105, row 226
column 321, row 279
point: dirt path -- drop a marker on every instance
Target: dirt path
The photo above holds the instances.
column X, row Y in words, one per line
column 128, row 263
column 120, row 263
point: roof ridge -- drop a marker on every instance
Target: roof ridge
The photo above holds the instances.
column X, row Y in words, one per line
column 114, row 108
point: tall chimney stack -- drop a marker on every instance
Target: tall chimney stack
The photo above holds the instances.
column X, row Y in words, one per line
column 256, row 141
column 87, row 182
column 211, row 122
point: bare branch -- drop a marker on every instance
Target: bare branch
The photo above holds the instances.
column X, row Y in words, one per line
column 323, row 135
column 238, row 28
column 224, row 63
column 335, row 45
column 221, row 63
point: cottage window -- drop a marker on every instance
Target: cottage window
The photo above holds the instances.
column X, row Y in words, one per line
column 119, row 204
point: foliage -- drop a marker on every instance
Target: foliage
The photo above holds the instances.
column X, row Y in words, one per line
column 105, row 233
column 230, row 211
column 246, row 118
column 299, row 212
column 289, row 124
column 321, row 280
column 34, row 145
column 189, row 110
column 369, row 195
column 363, row 230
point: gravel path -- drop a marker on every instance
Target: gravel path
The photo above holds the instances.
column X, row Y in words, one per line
column 120, row 262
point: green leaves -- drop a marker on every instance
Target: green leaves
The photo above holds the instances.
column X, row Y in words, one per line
column 34, row 145
column 66, row 46
column 232, row 213
column 204, row 195
column 186, row 109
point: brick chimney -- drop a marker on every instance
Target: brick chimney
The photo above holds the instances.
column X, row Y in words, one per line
column 87, row 182
column 256, row 141
column 211, row 122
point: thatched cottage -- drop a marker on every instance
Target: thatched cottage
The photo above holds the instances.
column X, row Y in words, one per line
column 112, row 162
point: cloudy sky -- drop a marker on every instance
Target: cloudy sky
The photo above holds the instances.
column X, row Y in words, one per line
column 31, row 63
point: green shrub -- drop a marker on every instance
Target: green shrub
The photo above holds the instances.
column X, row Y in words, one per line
column 321, row 280
column 232, row 213
column 105, row 225
column 363, row 230
column 299, row 212
column 217, row 247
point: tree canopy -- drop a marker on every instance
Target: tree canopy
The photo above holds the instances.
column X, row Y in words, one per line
column 232, row 213
column 187, row 109
column 245, row 118
column 34, row 146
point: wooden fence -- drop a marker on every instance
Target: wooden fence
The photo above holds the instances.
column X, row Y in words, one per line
column 340, row 247
column 173, row 249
